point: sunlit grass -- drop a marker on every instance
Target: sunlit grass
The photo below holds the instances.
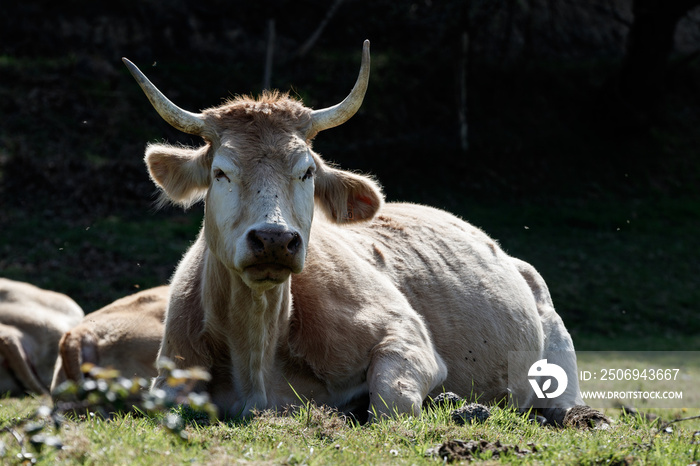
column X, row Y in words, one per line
column 314, row 435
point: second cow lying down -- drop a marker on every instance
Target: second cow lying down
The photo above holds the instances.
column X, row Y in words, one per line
column 124, row 335
column 32, row 321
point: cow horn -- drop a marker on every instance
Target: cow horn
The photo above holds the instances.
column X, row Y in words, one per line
column 187, row 122
column 330, row 117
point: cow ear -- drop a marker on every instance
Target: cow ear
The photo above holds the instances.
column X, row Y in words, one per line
column 345, row 196
column 182, row 173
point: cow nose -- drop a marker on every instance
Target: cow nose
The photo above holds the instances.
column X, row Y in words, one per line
column 274, row 244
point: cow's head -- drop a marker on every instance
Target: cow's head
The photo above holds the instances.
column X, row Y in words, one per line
column 259, row 176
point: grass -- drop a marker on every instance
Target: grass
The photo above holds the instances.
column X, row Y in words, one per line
column 313, row 435
column 96, row 260
column 31, row 432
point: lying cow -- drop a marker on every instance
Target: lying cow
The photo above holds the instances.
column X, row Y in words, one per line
column 304, row 283
column 124, row 335
column 32, row 321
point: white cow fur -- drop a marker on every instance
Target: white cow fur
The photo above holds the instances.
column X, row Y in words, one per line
column 32, row 321
column 410, row 304
column 368, row 307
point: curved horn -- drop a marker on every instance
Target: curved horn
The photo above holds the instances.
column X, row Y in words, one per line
column 187, row 122
column 338, row 114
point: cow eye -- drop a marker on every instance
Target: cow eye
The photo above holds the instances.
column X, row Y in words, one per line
column 309, row 174
column 219, row 175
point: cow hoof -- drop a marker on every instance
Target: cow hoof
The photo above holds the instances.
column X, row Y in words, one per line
column 585, row 417
column 471, row 413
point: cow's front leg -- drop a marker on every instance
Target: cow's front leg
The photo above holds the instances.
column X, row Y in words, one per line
column 399, row 379
column 177, row 353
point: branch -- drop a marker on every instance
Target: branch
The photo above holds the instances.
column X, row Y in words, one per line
column 678, row 420
column 304, row 49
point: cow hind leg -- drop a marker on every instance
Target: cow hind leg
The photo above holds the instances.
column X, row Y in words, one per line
column 558, row 346
column 12, row 350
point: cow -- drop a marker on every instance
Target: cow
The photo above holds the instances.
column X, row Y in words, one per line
column 32, row 321
column 124, row 335
column 304, row 284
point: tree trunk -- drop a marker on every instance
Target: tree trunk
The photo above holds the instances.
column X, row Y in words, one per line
column 269, row 55
column 463, row 110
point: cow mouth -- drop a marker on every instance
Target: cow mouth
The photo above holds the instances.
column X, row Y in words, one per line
column 268, row 273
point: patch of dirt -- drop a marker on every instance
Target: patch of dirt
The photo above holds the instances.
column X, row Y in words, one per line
column 319, row 421
column 443, row 399
column 459, row 450
column 472, row 413
column 585, row 417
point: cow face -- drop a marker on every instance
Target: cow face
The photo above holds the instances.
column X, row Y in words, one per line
column 261, row 182
column 259, row 176
column 259, row 206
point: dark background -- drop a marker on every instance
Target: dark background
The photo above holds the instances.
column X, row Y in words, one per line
column 581, row 156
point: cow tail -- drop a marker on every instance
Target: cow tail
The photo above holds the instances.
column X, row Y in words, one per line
column 76, row 350
column 12, row 350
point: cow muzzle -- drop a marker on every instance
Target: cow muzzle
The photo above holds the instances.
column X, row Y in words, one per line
column 274, row 251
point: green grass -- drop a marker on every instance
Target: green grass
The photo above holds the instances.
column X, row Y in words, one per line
column 312, row 435
column 96, row 260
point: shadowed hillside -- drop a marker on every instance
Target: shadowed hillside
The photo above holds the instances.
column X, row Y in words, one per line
column 607, row 210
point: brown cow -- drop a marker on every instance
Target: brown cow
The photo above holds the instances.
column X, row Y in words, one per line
column 368, row 306
column 124, row 335
column 32, row 321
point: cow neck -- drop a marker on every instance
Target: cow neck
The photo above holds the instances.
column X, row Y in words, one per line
column 251, row 323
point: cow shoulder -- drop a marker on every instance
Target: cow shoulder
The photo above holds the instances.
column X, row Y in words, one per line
column 185, row 341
